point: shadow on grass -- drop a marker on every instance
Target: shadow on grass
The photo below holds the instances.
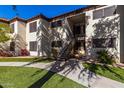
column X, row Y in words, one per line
column 40, row 59
column 66, row 67
column 1, row 86
column 112, row 71
column 53, row 70
column 89, row 70
column 43, row 80
column 58, row 66
column 37, row 72
column 93, row 69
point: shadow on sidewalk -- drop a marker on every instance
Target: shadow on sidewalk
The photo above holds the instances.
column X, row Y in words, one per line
column 58, row 66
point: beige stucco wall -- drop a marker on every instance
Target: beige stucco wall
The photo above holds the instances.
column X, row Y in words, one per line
column 44, row 38
column 22, row 30
column 108, row 27
column 18, row 36
column 110, row 31
column 48, row 35
column 120, row 10
column 41, row 36
column 31, row 37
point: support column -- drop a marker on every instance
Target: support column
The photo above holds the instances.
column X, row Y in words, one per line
column 120, row 10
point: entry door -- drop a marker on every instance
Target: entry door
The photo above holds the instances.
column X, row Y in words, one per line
column 79, row 44
column 76, row 30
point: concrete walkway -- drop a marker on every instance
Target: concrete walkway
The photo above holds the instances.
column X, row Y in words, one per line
column 77, row 74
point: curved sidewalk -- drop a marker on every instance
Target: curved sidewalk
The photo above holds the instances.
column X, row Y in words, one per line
column 76, row 75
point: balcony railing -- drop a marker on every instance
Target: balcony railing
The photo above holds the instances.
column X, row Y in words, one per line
column 79, row 35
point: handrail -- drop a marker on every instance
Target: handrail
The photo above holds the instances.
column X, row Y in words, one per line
column 68, row 44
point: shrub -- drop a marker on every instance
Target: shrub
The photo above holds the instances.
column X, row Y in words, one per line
column 55, row 52
column 24, row 52
column 5, row 53
column 104, row 57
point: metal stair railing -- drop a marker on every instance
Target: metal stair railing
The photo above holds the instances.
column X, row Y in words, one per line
column 66, row 50
column 68, row 43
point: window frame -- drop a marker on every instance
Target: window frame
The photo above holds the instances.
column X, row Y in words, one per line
column 12, row 26
column 34, row 47
column 112, row 43
column 12, row 46
column 32, row 27
column 95, row 11
column 103, row 12
column 57, row 23
column 111, row 11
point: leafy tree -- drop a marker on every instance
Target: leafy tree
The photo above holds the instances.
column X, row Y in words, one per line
column 4, row 32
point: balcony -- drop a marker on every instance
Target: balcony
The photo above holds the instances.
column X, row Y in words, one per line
column 79, row 35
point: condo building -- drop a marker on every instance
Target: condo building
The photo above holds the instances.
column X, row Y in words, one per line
column 91, row 29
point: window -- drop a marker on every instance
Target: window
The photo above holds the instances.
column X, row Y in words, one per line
column 33, row 27
column 77, row 29
column 98, row 14
column 109, row 11
column 53, row 24
column 56, row 23
column 12, row 46
column 33, row 46
column 12, row 28
column 104, row 43
column 77, row 45
column 56, row 44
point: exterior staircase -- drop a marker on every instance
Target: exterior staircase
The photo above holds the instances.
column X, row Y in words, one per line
column 68, row 44
column 65, row 51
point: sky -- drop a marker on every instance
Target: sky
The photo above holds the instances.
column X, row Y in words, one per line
column 28, row 11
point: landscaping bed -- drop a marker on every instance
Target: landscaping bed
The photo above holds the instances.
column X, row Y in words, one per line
column 22, row 77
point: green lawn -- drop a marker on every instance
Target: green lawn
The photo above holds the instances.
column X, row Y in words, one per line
column 22, row 77
column 17, row 59
column 106, row 71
